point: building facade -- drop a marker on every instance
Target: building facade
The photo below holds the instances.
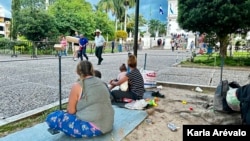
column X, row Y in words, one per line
column 173, row 26
column 4, row 24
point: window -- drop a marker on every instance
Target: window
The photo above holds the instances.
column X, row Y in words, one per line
column 1, row 28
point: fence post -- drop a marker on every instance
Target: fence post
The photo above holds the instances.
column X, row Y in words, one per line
column 60, row 82
column 145, row 61
column 222, row 64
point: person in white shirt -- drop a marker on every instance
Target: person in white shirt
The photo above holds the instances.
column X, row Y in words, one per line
column 99, row 45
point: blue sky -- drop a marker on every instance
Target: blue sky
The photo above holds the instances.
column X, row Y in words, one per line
column 148, row 8
column 6, row 4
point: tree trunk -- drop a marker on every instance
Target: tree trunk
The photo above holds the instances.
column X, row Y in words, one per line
column 223, row 45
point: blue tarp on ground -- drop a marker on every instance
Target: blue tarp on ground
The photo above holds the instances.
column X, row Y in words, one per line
column 125, row 122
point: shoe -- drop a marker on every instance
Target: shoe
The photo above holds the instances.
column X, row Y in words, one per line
column 75, row 59
column 101, row 60
column 157, row 94
column 53, row 131
column 99, row 64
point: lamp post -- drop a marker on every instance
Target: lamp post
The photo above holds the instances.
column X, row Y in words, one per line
column 126, row 3
column 136, row 27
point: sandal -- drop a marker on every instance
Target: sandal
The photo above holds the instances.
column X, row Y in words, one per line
column 157, row 94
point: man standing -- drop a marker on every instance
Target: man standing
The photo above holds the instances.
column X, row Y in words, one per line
column 112, row 46
column 83, row 42
column 99, row 44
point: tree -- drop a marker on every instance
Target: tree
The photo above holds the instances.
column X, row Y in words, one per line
column 106, row 5
column 162, row 29
column 102, row 22
column 37, row 25
column 154, row 26
column 131, row 22
column 128, row 4
column 73, row 15
column 219, row 16
column 33, row 4
column 118, row 8
column 15, row 6
column 121, row 34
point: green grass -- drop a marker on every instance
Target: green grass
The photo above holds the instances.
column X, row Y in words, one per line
column 239, row 59
column 26, row 122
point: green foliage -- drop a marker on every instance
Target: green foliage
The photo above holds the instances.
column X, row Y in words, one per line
column 33, row 4
column 103, row 23
column 156, row 25
column 4, row 42
column 241, row 60
column 240, row 43
column 131, row 22
column 74, row 15
column 121, row 34
column 15, row 6
column 237, row 43
column 37, row 25
column 77, row 15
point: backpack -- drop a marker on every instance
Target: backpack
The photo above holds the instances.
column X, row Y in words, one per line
column 220, row 102
column 243, row 94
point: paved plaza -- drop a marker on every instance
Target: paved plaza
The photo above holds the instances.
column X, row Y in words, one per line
column 29, row 83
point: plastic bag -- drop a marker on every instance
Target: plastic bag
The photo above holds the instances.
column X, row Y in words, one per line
column 232, row 100
column 149, row 78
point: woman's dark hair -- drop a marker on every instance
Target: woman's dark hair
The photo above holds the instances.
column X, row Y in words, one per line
column 132, row 61
column 123, row 67
column 98, row 73
column 85, row 68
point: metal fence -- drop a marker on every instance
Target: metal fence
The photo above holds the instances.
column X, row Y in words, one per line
column 46, row 48
column 27, row 48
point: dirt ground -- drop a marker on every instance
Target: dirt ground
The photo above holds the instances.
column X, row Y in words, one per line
column 180, row 107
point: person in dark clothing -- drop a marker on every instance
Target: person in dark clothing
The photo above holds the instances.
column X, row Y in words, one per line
column 83, row 42
column 112, row 46
column 75, row 48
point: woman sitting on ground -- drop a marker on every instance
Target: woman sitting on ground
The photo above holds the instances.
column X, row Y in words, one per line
column 89, row 110
column 135, row 82
column 123, row 72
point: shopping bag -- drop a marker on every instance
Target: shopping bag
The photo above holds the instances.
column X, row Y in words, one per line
column 149, row 78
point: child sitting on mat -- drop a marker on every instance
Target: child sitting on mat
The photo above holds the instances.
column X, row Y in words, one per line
column 123, row 86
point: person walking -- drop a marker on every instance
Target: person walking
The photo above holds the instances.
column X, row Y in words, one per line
column 191, row 46
column 112, row 46
column 75, row 47
column 83, row 42
column 172, row 45
column 99, row 45
column 63, row 43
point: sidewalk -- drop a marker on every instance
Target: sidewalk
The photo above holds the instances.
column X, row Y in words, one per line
column 33, row 84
